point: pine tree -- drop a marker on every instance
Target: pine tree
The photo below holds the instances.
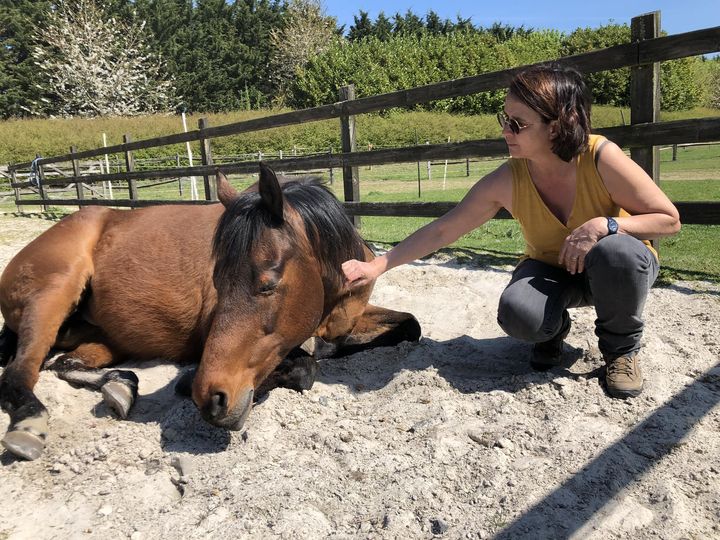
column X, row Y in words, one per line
column 383, row 27
column 361, row 28
column 217, row 51
column 408, row 25
column 19, row 76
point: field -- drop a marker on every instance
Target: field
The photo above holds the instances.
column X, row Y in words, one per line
column 693, row 176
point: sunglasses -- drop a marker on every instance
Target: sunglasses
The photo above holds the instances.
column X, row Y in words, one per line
column 513, row 125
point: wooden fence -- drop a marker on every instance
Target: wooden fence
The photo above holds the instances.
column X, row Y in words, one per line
column 643, row 136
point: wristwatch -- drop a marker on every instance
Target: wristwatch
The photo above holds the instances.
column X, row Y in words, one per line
column 612, row 226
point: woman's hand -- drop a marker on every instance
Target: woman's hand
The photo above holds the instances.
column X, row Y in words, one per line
column 579, row 242
column 359, row 273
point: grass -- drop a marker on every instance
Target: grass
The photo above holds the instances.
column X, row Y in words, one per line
column 21, row 140
column 690, row 255
column 693, row 176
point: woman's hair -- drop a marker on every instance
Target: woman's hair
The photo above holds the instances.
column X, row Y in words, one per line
column 559, row 93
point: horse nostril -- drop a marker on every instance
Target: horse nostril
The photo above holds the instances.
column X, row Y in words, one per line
column 218, row 405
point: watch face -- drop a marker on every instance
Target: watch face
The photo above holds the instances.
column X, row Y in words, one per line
column 612, row 226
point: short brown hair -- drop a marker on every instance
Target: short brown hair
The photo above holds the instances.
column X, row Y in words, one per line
column 559, row 93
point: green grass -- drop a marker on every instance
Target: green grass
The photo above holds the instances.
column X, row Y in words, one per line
column 21, row 140
column 693, row 176
column 692, row 254
column 692, row 190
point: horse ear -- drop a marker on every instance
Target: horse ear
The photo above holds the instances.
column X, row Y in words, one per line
column 270, row 191
column 226, row 193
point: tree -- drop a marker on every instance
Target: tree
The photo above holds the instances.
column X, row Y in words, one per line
column 504, row 32
column 307, row 32
column 383, row 27
column 217, row 51
column 362, row 27
column 95, row 65
column 408, row 25
column 19, row 76
column 679, row 85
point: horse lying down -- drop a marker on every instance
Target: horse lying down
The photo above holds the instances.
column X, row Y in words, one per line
column 239, row 285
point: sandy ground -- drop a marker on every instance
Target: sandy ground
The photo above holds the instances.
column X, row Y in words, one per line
column 453, row 437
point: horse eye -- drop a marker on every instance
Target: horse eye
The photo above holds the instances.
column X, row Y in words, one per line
column 267, row 287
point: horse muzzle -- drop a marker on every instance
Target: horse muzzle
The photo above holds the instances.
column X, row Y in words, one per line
column 218, row 412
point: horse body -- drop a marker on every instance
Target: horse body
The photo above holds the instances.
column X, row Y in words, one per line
column 143, row 277
column 236, row 286
column 156, row 263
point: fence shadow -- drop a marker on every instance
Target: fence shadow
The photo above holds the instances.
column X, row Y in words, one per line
column 468, row 364
column 570, row 509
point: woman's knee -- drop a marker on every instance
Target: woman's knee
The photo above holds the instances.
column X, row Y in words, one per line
column 519, row 320
column 619, row 252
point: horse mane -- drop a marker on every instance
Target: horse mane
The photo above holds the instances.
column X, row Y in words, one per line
column 332, row 236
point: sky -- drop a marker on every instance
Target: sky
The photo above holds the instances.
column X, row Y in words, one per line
column 676, row 16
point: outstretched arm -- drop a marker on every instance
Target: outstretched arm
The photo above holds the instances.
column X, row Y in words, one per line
column 480, row 204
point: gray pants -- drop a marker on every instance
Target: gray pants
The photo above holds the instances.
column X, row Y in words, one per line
column 619, row 271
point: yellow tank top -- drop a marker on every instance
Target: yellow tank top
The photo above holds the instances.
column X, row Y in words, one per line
column 544, row 233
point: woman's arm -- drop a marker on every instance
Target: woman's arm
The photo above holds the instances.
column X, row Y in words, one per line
column 652, row 213
column 480, row 204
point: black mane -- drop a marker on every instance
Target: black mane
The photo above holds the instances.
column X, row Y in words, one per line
column 332, row 235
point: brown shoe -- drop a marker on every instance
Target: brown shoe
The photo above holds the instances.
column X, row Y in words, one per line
column 548, row 354
column 623, row 376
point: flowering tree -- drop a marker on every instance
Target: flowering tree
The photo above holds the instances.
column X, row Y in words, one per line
column 96, row 65
column 306, row 33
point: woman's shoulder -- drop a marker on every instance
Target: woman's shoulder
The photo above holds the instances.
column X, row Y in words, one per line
column 504, row 173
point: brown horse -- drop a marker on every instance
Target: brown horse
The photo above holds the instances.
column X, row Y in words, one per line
column 238, row 286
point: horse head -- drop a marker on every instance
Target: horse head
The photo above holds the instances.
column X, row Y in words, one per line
column 278, row 251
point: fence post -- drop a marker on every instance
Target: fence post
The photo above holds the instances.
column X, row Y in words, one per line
column 429, row 165
column 645, row 95
column 207, row 160
column 417, row 143
column 331, row 167
column 130, row 167
column 41, row 183
column 76, row 174
column 177, row 164
column 13, row 180
column 351, row 175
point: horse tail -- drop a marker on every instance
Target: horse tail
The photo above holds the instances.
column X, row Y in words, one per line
column 8, row 344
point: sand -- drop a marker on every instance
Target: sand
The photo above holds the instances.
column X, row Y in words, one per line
column 452, row 437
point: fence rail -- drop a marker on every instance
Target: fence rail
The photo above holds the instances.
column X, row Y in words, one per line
column 642, row 137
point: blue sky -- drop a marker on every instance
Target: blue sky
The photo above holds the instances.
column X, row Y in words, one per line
column 676, row 16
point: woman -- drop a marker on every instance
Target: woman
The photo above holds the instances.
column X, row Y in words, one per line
column 586, row 211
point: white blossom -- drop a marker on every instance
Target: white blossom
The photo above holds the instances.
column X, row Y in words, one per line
column 96, row 65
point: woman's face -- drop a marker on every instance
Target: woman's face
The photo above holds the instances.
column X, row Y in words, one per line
column 534, row 137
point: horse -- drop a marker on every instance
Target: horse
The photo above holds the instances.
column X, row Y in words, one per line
column 242, row 288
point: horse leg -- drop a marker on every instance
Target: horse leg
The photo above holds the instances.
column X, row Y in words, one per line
column 296, row 372
column 376, row 327
column 8, row 345
column 83, row 367
column 36, row 333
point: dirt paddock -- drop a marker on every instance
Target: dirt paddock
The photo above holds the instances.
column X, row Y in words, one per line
column 453, row 437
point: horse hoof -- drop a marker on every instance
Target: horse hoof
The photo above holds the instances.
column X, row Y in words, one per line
column 119, row 397
column 24, row 444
